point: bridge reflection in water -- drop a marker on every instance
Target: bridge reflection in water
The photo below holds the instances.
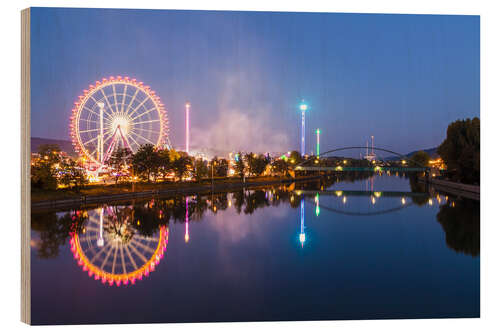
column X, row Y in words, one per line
column 406, row 199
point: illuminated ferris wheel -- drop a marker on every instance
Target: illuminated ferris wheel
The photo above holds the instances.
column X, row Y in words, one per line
column 111, row 250
column 117, row 111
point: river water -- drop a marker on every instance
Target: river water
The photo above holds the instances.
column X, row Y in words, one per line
column 359, row 248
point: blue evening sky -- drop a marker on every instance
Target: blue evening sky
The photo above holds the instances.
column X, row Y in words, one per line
column 401, row 78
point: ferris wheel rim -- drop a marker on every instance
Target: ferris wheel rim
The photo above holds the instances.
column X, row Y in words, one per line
column 124, row 278
column 80, row 104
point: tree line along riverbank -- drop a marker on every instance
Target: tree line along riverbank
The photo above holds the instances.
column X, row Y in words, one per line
column 100, row 192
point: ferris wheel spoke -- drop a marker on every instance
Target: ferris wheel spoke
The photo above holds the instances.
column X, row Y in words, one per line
column 131, row 258
column 90, row 121
column 105, row 114
column 145, row 112
column 92, row 238
column 132, row 100
column 139, row 254
column 114, row 261
column 107, row 138
column 146, row 248
column 123, row 99
column 138, row 106
column 116, row 101
column 107, row 101
column 98, row 254
column 146, row 122
column 93, row 139
column 92, row 228
column 140, row 136
column 132, row 138
column 106, row 258
column 93, row 130
column 150, row 131
column 124, row 267
column 93, row 219
column 93, row 152
column 90, row 130
column 92, row 97
column 96, row 101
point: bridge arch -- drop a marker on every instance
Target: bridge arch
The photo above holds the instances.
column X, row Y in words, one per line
column 349, row 213
column 359, row 147
column 307, row 195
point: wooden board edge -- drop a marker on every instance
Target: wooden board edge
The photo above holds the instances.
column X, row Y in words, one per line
column 25, row 167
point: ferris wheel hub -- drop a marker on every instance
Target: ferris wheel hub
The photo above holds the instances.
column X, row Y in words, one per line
column 123, row 122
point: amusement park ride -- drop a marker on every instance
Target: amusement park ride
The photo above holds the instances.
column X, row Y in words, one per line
column 109, row 248
column 116, row 111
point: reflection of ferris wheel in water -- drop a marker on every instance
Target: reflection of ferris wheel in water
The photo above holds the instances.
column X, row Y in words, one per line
column 110, row 249
column 117, row 111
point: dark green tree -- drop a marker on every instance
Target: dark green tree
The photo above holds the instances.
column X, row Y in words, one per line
column 44, row 169
column 200, row 169
column 280, row 166
column 460, row 150
column 221, row 167
column 43, row 176
column 72, row 175
column 181, row 166
column 239, row 200
column 418, row 187
column 255, row 200
column 165, row 162
column 50, row 152
column 420, row 159
column 256, row 163
column 240, row 165
column 147, row 218
column 119, row 160
column 295, row 157
column 460, row 221
column 146, row 162
column 54, row 230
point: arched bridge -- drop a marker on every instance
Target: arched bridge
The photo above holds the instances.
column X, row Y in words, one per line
column 302, row 166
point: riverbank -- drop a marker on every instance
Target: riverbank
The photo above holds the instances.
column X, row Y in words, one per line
column 454, row 188
column 110, row 193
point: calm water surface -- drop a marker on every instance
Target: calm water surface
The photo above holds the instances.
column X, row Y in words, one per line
column 366, row 249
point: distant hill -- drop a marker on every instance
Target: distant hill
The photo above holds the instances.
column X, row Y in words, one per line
column 65, row 146
column 431, row 151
